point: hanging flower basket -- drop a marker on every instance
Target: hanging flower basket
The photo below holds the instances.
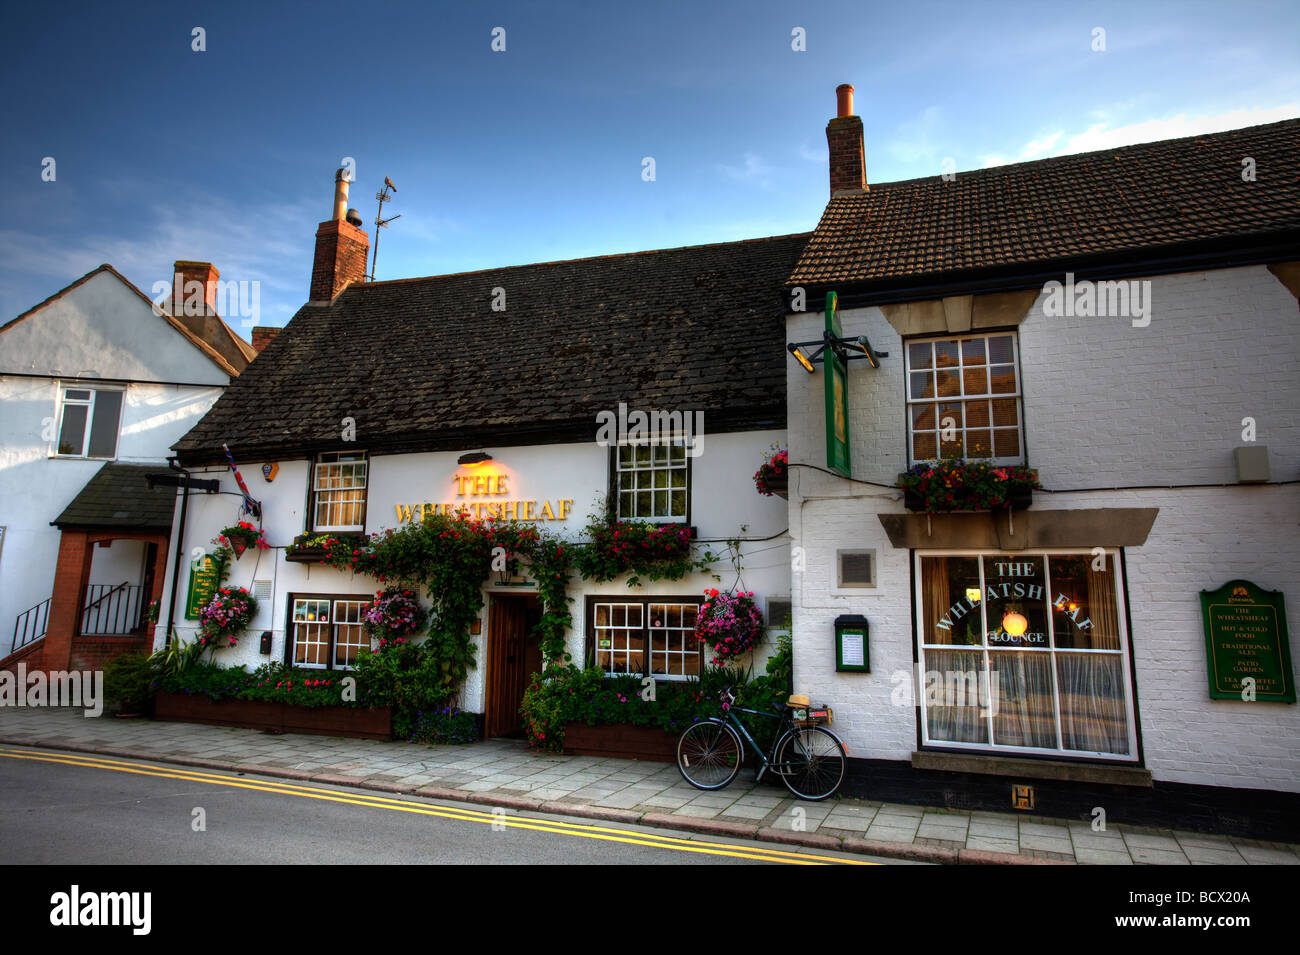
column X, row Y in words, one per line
column 239, row 537
column 967, row 486
column 394, row 616
column 730, row 623
column 773, row 477
column 225, row 617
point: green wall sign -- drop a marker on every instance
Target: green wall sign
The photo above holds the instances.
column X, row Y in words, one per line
column 837, row 396
column 203, row 584
column 1247, row 648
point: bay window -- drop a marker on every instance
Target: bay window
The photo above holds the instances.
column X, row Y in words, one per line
column 963, row 399
column 655, row 637
column 339, row 492
column 1025, row 652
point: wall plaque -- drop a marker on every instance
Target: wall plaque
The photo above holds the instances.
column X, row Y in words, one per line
column 203, row 585
column 1247, row 648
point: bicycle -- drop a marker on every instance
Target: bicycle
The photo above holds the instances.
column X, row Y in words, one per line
column 810, row 759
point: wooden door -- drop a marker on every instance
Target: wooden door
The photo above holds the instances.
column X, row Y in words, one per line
column 512, row 658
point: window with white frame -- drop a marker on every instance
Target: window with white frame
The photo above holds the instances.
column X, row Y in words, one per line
column 1025, row 652
column 651, row 482
column 339, row 492
column 327, row 632
column 653, row 637
column 88, row 422
column 963, row 399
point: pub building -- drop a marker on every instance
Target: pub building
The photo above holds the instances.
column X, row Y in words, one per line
column 485, row 393
column 1124, row 322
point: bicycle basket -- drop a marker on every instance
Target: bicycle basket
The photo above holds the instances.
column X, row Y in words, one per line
column 811, row 715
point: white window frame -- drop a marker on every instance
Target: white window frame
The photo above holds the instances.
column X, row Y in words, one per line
column 1112, row 556
column 645, row 606
column 338, row 458
column 330, row 628
column 962, row 398
column 654, row 468
column 90, row 404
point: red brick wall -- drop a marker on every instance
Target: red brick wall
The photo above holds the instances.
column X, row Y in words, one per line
column 262, row 336
column 848, row 166
column 342, row 251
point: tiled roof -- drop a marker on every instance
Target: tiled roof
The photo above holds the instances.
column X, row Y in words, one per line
column 1162, row 198
column 119, row 496
column 427, row 364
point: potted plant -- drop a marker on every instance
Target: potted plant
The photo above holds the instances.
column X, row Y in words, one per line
column 730, row 623
column 773, row 476
column 956, row 485
column 321, row 548
column 239, row 537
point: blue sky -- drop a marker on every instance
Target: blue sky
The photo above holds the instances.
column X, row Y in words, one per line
column 535, row 153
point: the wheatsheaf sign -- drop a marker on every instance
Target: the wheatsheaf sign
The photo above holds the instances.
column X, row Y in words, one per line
column 1246, row 644
column 479, row 496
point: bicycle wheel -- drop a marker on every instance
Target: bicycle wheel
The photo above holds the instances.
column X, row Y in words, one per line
column 815, row 762
column 709, row 755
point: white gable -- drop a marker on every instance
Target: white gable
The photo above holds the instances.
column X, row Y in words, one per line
column 103, row 329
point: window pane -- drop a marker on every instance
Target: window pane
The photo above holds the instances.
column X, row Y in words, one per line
column 972, row 351
column 949, row 384
column 1003, row 379
column 1004, row 412
column 922, row 385
column 1000, row 349
column 923, row 418
column 977, row 414
column 1014, row 593
column 77, row 394
column 979, row 444
column 1025, row 711
column 923, row 447
column 1084, row 612
column 975, row 381
column 950, row 596
column 953, row 697
column 945, row 354
column 1006, row 444
column 72, row 434
column 918, row 354
column 1092, row 702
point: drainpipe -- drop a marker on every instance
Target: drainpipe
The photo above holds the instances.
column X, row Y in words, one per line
column 180, row 547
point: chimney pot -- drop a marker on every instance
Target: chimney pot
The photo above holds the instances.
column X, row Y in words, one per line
column 342, row 249
column 844, row 99
column 340, row 195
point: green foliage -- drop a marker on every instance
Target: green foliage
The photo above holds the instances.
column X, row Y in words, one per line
column 564, row 695
column 128, row 681
column 409, row 678
column 272, row 683
column 640, row 549
column 445, row 726
column 174, row 656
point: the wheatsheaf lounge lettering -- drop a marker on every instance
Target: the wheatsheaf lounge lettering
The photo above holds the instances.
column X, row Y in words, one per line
column 488, row 485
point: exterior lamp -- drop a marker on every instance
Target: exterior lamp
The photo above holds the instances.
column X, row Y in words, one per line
column 801, row 357
column 473, row 458
column 1014, row 623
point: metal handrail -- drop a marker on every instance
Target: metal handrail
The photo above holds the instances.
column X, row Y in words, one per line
column 103, row 597
column 121, row 615
column 24, row 620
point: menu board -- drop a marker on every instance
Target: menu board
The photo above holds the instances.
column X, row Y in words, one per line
column 1247, row 648
column 203, row 584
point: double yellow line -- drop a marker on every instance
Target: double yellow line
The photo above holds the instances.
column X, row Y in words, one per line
column 498, row 820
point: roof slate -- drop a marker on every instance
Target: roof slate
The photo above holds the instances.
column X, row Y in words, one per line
column 426, row 364
column 119, row 496
column 1136, row 200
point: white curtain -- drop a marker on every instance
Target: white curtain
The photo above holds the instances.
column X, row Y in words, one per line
column 1092, row 702
column 1025, row 714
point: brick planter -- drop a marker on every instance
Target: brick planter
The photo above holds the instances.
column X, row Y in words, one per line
column 277, row 717
column 622, row 741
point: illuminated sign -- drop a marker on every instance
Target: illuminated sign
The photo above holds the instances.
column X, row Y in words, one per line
column 479, row 496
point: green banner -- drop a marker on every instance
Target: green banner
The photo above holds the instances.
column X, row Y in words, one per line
column 203, row 584
column 837, row 397
column 1247, row 648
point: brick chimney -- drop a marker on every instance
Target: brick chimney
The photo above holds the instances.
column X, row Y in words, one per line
column 341, row 249
column 844, row 137
column 262, row 335
column 194, row 289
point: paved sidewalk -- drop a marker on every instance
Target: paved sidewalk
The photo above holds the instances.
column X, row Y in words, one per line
column 506, row 773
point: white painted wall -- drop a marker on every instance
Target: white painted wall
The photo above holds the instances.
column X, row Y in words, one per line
column 723, row 499
column 100, row 331
column 1106, row 405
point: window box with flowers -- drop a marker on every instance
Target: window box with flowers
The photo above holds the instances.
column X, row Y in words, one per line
column 967, row 486
column 321, row 548
column 773, row 477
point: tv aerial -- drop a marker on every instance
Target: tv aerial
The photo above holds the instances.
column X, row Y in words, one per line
column 381, row 222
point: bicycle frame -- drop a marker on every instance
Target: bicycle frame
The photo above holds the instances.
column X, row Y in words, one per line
column 766, row 760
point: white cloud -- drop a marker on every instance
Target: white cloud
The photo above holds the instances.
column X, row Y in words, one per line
column 916, row 139
column 754, row 170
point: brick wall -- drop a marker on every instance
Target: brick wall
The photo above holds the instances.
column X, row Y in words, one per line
column 341, row 253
